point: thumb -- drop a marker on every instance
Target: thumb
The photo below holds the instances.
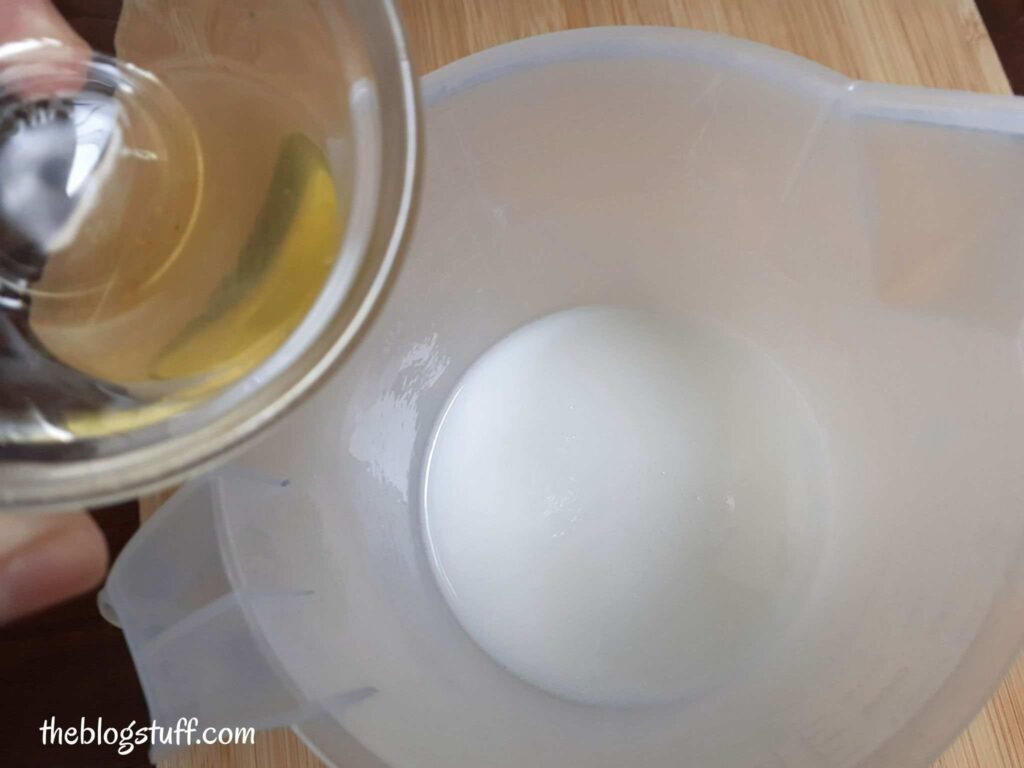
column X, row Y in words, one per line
column 61, row 55
column 45, row 559
column 22, row 19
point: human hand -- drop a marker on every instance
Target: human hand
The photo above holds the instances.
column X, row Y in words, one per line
column 45, row 559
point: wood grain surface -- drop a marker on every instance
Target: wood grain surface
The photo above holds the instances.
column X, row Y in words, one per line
column 939, row 43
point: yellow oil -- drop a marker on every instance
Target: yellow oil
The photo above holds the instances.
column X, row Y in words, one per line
column 211, row 247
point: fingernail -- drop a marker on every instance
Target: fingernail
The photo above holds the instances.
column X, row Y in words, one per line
column 47, row 559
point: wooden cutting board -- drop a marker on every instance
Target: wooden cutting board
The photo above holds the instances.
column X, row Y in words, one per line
column 939, row 43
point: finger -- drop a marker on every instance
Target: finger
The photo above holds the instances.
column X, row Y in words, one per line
column 45, row 559
column 64, row 54
column 23, row 19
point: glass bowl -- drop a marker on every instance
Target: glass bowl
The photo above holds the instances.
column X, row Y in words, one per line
column 344, row 61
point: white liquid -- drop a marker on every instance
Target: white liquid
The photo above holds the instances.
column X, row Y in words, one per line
column 620, row 512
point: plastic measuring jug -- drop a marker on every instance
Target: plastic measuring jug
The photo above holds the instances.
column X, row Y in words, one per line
column 863, row 236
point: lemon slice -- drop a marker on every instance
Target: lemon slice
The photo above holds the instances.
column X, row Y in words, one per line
column 280, row 272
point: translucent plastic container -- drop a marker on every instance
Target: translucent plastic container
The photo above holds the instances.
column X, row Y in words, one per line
column 866, row 237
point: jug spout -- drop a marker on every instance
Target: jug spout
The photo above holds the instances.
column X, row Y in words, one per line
column 208, row 595
column 942, row 201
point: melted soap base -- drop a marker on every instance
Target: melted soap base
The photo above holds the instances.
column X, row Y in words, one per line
column 620, row 511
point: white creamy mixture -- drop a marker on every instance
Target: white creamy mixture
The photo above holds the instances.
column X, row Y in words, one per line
column 621, row 511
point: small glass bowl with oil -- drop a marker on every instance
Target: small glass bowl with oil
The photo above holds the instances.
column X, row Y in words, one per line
column 192, row 234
